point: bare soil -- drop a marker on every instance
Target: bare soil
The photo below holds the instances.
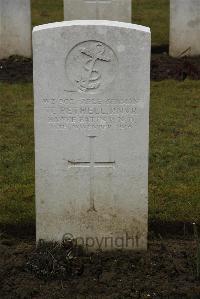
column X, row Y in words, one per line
column 19, row 69
column 16, row 70
column 165, row 67
column 168, row 268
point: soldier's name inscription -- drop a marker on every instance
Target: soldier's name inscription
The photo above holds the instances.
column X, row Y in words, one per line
column 71, row 113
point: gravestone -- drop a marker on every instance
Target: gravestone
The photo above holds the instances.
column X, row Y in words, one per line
column 15, row 28
column 184, row 27
column 114, row 10
column 91, row 90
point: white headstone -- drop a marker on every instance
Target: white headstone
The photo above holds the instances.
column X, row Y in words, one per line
column 15, row 28
column 114, row 10
column 184, row 27
column 91, row 88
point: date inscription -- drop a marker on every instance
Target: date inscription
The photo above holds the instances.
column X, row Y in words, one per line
column 70, row 113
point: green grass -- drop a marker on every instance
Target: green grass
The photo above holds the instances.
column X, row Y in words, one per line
column 17, row 157
column 152, row 13
column 174, row 180
column 47, row 11
column 174, row 177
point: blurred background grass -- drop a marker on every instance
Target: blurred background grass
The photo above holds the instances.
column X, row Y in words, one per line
column 151, row 13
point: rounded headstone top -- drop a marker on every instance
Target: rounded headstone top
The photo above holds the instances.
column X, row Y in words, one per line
column 91, row 23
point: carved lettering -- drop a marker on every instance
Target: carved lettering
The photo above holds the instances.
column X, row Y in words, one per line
column 92, row 113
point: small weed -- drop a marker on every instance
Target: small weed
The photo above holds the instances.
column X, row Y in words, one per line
column 52, row 260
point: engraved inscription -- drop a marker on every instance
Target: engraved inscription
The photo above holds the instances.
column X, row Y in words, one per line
column 85, row 113
column 90, row 67
column 92, row 165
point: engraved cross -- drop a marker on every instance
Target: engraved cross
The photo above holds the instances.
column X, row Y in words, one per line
column 92, row 164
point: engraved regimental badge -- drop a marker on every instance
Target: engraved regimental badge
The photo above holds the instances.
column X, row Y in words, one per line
column 90, row 67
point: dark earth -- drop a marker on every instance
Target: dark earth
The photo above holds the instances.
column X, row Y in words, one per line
column 19, row 70
column 167, row 270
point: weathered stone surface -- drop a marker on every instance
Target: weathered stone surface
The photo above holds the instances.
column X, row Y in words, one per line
column 184, row 27
column 15, row 28
column 114, row 10
column 91, row 88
